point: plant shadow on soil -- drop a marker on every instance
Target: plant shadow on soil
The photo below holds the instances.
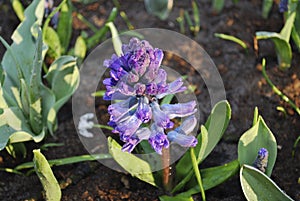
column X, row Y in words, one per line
column 245, row 89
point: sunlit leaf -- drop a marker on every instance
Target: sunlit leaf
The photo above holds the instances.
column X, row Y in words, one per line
column 23, row 40
column 212, row 177
column 117, row 43
column 215, row 126
column 257, row 137
column 46, row 176
column 233, row 39
column 134, row 165
column 80, row 49
column 53, row 41
column 18, row 8
column 66, row 161
column 13, row 127
column 257, row 186
column 282, row 47
column 64, row 26
column 176, row 198
column 63, row 77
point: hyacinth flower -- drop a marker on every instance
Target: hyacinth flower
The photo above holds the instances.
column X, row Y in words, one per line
column 261, row 161
column 138, row 82
column 283, row 6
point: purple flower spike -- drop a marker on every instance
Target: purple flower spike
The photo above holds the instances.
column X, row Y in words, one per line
column 283, row 6
column 261, row 161
column 137, row 82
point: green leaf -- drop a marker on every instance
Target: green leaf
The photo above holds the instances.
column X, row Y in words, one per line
column 63, row 77
column 296, row 29
column 35, row 101
column 167, row 99
column 204, row 142
column 159, row 8
column 266, row 8
column 255, row 116
column 218, row 5
column 196, row 17
column 99, row 93
column 46, row 176
column 14, row 128
column 115, row 38
column 18, row 8
column 25, row 97
column 22, row 40
column 257, row 186
column 134, row 165
column 16, row 150
column 215, row 127
column 197, row 172
column 288, row 25
column 296, row 37
column 282, row 47
column 212, row 177
column 66, row 161
column 217, row 124
column 232, row 38
column 98, row 36
column 175, row 198
column 64, row 27
column 52, row 40
column 257, row 137
column 80, row 49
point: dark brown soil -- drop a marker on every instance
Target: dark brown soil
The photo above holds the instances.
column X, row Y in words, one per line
column 245, row 88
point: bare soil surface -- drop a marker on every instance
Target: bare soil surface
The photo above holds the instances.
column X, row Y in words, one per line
column 245, row 89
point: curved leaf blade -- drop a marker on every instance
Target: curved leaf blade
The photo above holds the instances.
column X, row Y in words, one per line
column 282, row 47
column 215, row 127
column 46, row 176
column 257, row 186
column 64, row 27
column 259, row 136
column 134, row 165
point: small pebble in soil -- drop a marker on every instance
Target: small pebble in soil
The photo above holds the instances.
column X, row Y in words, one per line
column 125, row 181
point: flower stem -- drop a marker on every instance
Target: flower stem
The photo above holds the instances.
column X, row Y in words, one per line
column 197, row 173
column 167, row 171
